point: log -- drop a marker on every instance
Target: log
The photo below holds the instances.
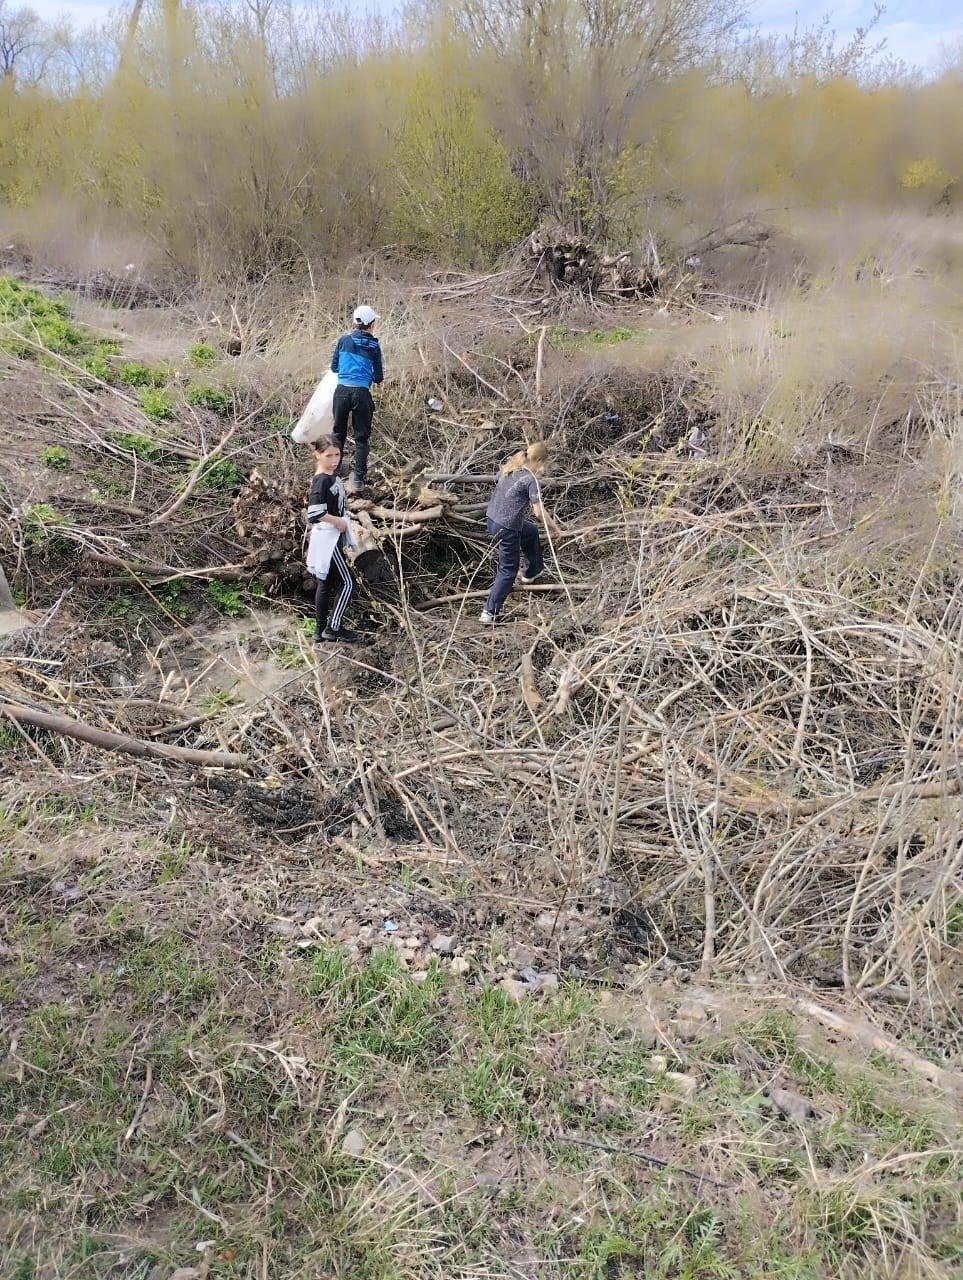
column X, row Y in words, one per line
column 415, row 516
column 121, row 742
column 950, row 1082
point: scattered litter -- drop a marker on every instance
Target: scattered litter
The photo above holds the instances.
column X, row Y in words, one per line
column 354, row 1143
column 791, row 1105
column 284, row 929
column 390, row 926
column 685, row 1084
column 512, row 987
column 435, row 404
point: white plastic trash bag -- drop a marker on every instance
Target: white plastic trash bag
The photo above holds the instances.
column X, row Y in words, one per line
column 318, row 418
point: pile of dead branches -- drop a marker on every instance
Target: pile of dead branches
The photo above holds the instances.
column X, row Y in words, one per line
column 564, row 260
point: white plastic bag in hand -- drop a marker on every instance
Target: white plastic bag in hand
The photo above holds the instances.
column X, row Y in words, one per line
column 318, row 418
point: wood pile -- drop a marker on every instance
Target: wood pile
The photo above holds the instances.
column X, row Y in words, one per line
column 567, row 260
column 270, row 520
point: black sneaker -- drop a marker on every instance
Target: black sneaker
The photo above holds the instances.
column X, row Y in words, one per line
column 342, row 636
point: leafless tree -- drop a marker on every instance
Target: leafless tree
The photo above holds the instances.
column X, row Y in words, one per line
column 23, row 41
column 569, row 79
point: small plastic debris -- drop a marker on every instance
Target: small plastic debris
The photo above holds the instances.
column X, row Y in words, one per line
column 354, row 1143
column 390, row 926
column 435, row 405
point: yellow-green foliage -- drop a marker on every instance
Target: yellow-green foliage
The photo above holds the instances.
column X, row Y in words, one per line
column 456, row 195
column 238, row 146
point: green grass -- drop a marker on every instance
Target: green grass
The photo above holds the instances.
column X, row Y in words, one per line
column 263, row 1055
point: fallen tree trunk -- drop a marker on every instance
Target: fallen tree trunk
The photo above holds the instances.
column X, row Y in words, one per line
column 122, row 742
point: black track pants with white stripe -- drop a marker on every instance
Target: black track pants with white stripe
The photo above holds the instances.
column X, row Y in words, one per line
column 334, row 592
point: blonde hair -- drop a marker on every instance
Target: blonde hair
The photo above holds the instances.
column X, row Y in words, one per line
column 534, row 457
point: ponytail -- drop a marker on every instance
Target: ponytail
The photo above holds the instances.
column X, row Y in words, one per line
column 534, row 457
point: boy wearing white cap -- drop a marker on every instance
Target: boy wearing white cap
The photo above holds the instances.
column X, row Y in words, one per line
column 357, row 362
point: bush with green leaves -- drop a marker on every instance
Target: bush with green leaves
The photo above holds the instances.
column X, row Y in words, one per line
column 202, row 355
column 456, row 197
column 205, row 397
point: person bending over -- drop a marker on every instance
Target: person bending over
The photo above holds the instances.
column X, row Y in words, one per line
column 357, row 362
column 517, row 492
column 330, row 532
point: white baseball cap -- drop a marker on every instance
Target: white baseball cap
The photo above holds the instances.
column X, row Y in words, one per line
column 365, row 315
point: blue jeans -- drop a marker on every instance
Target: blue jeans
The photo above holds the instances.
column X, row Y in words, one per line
column 514, row 546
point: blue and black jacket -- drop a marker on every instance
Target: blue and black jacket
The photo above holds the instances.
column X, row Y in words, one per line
column 357, row 359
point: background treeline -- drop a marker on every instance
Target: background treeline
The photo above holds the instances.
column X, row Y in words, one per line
column 253, row 133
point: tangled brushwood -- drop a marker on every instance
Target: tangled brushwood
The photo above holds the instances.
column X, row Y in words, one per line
column 706, row 737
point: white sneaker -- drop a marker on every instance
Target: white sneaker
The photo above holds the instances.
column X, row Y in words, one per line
column 487, row 618
column 529, row 582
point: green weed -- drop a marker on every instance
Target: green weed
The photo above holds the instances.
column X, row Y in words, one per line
column 290, row 658
column 155, row 403
column 28, row 319
column 96, row 366
column 218, row 700
column 211, row 398
column 173, row 596
column 227, row 598
column 202, row 355
column 135, row 374
column 40, row 521
column 56, row 457
column 142, row 447
column 281, row 422
column 222, row 476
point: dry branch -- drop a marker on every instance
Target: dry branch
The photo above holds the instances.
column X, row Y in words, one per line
column 949, row 1081
column 121, row 742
